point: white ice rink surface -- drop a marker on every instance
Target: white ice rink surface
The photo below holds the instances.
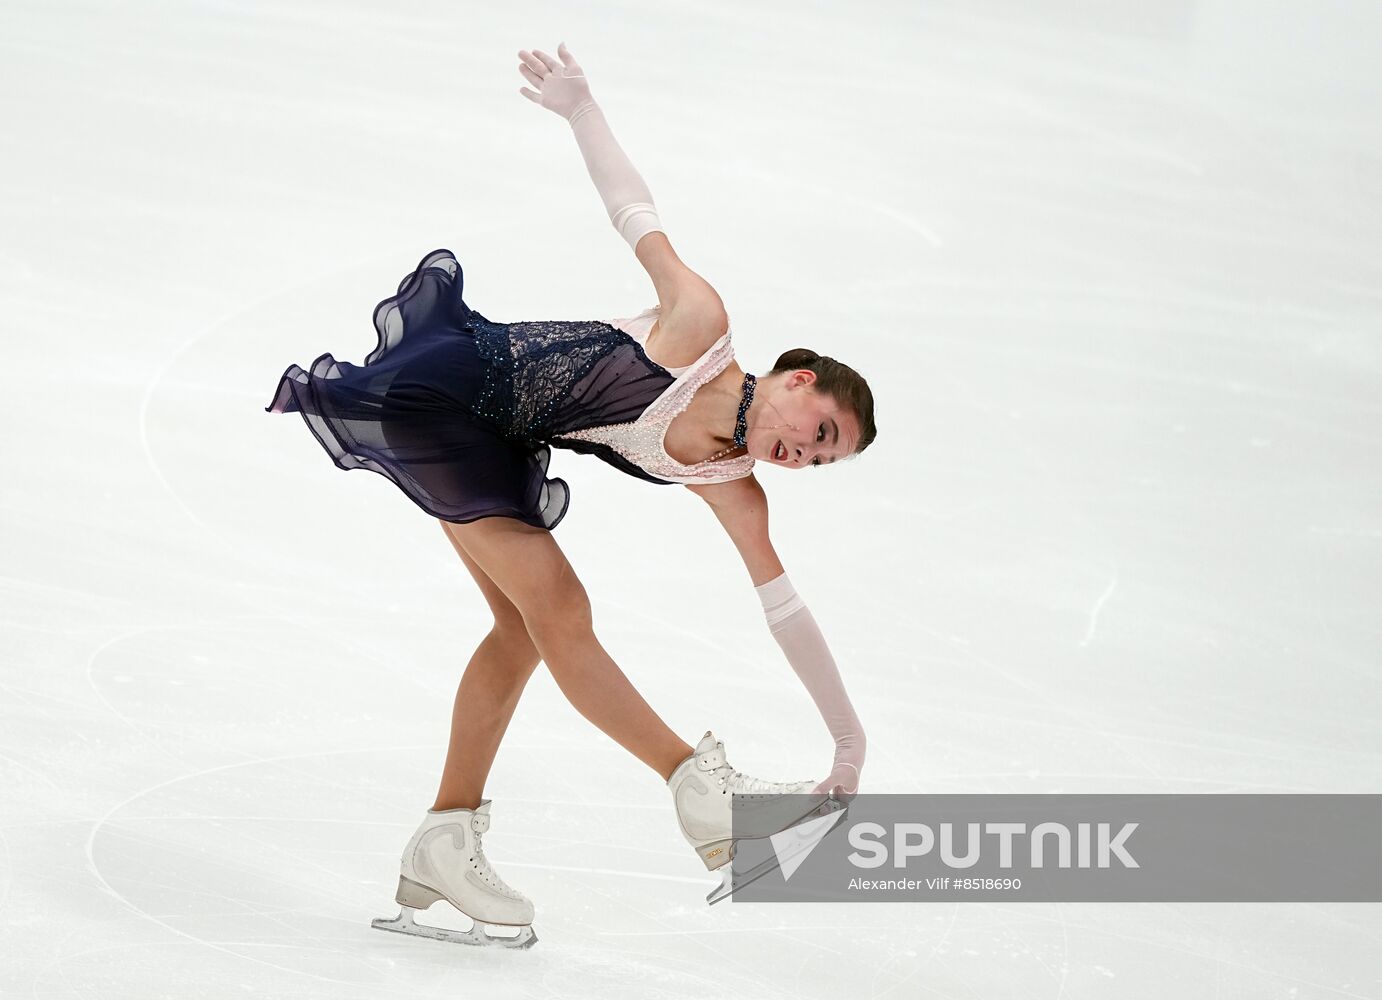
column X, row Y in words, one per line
column 1113, row 270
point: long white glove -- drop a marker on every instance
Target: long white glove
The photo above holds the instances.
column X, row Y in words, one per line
column 563, row 88
column 795, row 629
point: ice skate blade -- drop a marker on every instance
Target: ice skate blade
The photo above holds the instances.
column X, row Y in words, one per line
column 476, row 935
column 730, row 881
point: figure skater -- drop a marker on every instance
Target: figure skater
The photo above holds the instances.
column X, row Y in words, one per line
column 460, row 412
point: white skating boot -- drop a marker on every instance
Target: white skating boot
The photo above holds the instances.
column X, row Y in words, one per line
column 446, row 860
column 704, row 787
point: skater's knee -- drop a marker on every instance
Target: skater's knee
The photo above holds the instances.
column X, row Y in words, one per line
column 511, row 635
column 533, row 574
column 564, row 614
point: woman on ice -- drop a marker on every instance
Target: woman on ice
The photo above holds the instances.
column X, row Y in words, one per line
column 461, row 412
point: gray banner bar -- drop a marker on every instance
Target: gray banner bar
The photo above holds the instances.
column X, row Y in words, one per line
column 1077, row 848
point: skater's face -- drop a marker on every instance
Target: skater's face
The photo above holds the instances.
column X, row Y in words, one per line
column 811, row 427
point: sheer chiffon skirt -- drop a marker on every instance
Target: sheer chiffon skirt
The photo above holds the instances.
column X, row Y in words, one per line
column 421, row 409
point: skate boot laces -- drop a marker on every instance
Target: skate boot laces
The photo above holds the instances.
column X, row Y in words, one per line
column 479, row 824
column 731, row 780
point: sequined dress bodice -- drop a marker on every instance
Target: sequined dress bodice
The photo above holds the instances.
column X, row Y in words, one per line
column 643, row 441
column 588, row 386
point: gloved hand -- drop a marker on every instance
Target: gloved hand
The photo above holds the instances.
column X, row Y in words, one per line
column 561, row 86
column 842, row 782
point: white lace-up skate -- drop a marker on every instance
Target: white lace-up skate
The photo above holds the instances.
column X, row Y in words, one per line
column 446, row 860
column 705, row 786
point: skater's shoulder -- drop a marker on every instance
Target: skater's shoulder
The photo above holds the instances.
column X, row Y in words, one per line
column 743, row 492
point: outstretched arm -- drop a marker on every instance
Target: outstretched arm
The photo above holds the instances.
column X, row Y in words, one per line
column 689, row 304
column 795, row 630
column 563, row 88
column 742, row 508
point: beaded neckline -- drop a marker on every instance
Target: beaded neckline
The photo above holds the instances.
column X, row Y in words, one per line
column 697, row 367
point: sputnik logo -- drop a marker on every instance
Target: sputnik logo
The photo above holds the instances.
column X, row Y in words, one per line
column 794, row 845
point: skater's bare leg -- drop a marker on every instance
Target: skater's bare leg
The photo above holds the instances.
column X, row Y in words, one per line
column 533, row 574
column 485, row 702
column 600, row 691
column 488, row 693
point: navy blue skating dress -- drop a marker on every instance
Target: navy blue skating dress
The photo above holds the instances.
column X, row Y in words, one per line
column 461, row 412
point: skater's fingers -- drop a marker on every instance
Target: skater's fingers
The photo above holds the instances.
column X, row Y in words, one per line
column 533, row 63
column 568, row 59
column 833, row 787
column 551, row 63
column 530, row 76
column 842, row 779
